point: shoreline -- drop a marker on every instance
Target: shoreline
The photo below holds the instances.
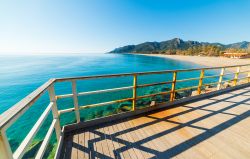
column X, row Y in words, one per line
column 206, row 60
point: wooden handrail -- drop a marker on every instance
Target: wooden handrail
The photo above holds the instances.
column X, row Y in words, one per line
column 143, row 73
column 9, row 116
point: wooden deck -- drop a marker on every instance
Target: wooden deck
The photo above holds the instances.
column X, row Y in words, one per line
column 218, row 127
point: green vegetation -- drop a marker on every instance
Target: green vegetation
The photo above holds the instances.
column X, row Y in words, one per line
column 178, row 46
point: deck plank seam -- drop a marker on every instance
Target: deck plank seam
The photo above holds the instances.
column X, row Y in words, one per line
column 227, row 124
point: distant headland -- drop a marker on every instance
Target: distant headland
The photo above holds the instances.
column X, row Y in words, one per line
column 180, row 47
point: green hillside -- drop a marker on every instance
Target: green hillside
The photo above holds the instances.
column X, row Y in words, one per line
column 179, row 46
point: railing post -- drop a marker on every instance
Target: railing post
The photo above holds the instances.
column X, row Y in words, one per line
column 236, row 76
column 248, row 75
column 55, row 114
column 134, row 92
column 200, row 81
column 5, row 150
column 75, row 98
column 172, row 95
column 221, row 78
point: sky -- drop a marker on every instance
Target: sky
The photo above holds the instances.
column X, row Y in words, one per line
column 95, row 26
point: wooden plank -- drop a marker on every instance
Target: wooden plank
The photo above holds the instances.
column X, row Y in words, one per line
column 115, row 142
column 99, row 145
column 144, row 135
column 182, row 134
column 241, row 129
column 140, row 136
column 227, row 147
column 128, row 143
column 132, row 141
column 158, row 145
column 136, row 138
column 109, row 141
column 87, row 138
column 118, row 130
column 82, row 143
column 93, row 136
column 104, row 143
column 75, row 147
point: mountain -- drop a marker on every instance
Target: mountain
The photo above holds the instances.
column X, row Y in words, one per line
column 174, row 44
column 240, row 45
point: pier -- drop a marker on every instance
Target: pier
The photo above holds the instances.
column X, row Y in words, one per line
column 216, row 127
column 208, row 124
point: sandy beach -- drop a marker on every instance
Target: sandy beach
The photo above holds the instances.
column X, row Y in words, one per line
column 207, row 61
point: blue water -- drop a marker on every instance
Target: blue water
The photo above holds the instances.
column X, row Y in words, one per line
column 20, row 75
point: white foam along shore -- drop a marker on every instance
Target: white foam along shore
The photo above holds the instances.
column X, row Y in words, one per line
column 207, row 61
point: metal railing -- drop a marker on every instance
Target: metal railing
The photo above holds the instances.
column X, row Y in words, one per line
column 12, row 114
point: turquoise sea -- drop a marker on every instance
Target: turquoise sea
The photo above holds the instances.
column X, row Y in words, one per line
column 20, row 75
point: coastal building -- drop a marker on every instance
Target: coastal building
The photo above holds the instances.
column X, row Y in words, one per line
column 236, row 55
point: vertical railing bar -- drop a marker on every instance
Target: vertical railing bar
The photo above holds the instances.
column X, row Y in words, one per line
column 200, row 81
column 248, row 75
column 5, row 150
column 236, row 76
column 75, row 98
column 20, row 151
column 221, row 78
column 172, row 95
column 134, row 92
column 55, row 114
column 45, row 142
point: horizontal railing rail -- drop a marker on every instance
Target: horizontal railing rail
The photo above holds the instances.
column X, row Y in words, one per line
column 144, row 73
column 12, row 114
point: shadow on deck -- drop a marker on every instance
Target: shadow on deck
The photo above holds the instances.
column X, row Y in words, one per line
column 216, row 127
